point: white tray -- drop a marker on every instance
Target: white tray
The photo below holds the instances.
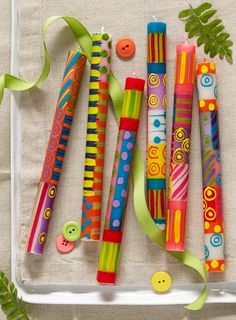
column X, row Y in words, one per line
column 87, row 294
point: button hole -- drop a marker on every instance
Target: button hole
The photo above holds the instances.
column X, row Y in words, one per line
column 159, row 281
column 163, row 281
column 127, row 46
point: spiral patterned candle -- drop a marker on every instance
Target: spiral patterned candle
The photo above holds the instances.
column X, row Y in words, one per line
column 156, row 122
column 95, row 139
column 55, row 153
column 115, row 216
column 180, row 147
column 211, row 167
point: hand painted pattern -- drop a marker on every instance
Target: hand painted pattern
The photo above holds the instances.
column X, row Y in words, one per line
column 55, row 152
column 156, row 122
column 95, row 139
column 180, row 148
column 116, row 209
column 211, row 168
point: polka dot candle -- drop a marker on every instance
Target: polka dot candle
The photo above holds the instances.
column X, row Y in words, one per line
column 115, row 216
column 95, row 138
column 180, row 147
column 211, row 167
column 156, row 122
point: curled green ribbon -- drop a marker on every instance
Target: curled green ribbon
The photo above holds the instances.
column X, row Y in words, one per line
column 142, row 214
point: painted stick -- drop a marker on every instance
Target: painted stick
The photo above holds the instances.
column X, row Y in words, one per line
column 180, row 147
column 211, row 167
column 156, row 122
column 55, row 153
column 115, row 216
column 95, row 139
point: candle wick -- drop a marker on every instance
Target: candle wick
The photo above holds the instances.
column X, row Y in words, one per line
column 134, row 74
column 205, row 60
column 154, row 18
column 186, row 40
column 102, row 29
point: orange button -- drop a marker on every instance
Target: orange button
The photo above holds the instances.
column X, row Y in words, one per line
column 125, row 48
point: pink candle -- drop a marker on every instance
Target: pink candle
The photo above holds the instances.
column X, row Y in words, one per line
column 180, row 147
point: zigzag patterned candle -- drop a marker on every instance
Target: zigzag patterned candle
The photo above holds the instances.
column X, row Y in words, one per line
column 180, row 147
column 55, row 153
column 156, row 122
column 115, row 216
column 95, row 139
column 211, row 167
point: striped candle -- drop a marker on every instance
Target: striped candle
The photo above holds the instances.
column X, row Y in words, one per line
column 156, row 122
column 211, row 167
column 55, row 153
column 180, row 147
column 95, row 139
column 115, row 216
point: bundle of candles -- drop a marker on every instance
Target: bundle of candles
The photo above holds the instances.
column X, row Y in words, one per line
column 168, row 214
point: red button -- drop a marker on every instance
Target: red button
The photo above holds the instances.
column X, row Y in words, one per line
column 125, row 48
column 63, row 245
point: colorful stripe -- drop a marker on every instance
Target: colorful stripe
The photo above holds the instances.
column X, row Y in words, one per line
column 55, row 153
column 95, row 139
column 156, row 48
column 211, row 168
column 185, row 62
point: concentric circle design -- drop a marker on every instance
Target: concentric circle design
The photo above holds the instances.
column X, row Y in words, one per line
column 207, row 253
column 207, row 80
column 153, row 101
column 210, row 214
column 216, row 240
column 186, row 145
column 153, row 152
column 153, row 80
column 180, row 134
column 42, row 238
column 165, row 79
column 179, row 156
column 47, row 213
column 210, row 194
column 52, row 192
column 153, row 169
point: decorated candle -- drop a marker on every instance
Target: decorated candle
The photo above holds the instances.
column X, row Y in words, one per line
column 156, row 122
column 180, row 147
column 211, row 167
column 95, row 139
column 55, row 153
column 115, row 216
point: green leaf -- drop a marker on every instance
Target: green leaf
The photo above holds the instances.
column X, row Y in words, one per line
column 185, row 13
column 223, row 36
column 193, row 31
column 208, row 45
column 207, row 15
column 210, row 32
column 202, row 39
column 227, row 43
column 217, row 29
column 203, row 7
column 190, row 23
column 11, row 305
column 213, row 24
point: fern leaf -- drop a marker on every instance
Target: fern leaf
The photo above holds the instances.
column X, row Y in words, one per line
column 11, row 305
column 207, row 15
column 203, row 7
column 201, row 22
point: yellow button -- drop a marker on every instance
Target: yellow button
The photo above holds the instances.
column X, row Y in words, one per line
column 161, row 281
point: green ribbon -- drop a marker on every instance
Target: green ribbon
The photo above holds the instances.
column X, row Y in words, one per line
column 142, row 214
